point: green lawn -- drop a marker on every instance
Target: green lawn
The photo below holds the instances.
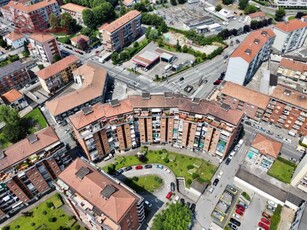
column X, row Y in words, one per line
column 282, row 170
column 276, row 218
column 291, row 17
column 148, row 183
column 179, row 166
column 36, row 120
column 41, row 215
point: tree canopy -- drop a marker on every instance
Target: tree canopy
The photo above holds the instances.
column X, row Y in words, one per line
column 243, row 4
column 279, row 14
column 176, row 217
column 227, row 2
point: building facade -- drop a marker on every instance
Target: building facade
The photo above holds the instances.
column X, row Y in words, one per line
column 251, row 102
column 92, row 82
column 15, row 40
column 291, row 69
column 246, row 59
column 44, row 47
column 291, row 3
column 13, row 76
column 58, row 74
column 122, row 125
column 122, row 31
column 14, row 99
column 290, row 35
column 75, row 11
column 99, row 200
column 287, row 109
column 30, row 17
column 28, row 168
column 299, row 178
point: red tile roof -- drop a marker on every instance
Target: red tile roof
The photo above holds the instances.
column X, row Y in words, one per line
column 258, row 14
column 73, row 7
column 42, row 37
column 245, row 94
column 291, row 25
column 115, row 207
column 251, row 46
column 11, row 96
column 56, row 67
column 266, row 145
column 122, row 21
column 79, row 37
column 23, row 149
column 14, row 36
column 30, row 8
column 293, row 65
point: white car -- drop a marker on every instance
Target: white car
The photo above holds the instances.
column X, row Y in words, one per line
column 211, row 189
column 272, row 203
column 232, row 154
column 287, row 140
column 220, row 174
column 235, row 215
column 148, row 203
column 167, row 170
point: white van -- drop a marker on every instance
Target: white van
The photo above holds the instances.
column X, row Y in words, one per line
column 240, row 143
column 291, row 134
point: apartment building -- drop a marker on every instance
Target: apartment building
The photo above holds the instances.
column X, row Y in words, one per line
column 251, row 102
column 291, row 3
column 287, row 109
column 299, row 178
column 14, row 99
column 13, row 76
column 99, row 200
column 91, row 80
column 291, row 69
column 30, row 17
column 122, row 31
column 290, row 35
column 43, row 46
column 27, row 169
column 162, row 118
column 246, row 59
column 15, row 39
column 75, row 11
column 58, row 74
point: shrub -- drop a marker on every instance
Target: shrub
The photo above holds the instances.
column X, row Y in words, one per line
column 246, row 196
column 32, row 224
column 189, row 181
column 190, row 167
column 17, row 226
column 194, row 175
column 166, row 160
column 45, row 212
column 6, row 228
column 52, row 219
column 77, row 227
column 158, row 179
column 70, row 218
column 135, row 178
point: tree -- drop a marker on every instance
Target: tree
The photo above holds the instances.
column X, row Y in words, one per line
column 124, row 55
column 178, row 46
column 2, row 42
column 54, row 21
column 250, row 9
column 140, row 6
column 162, row 28
column 115, row 58
column 300, row 14
column 153, row 34
column 26, row 49
column 246, row 29
column 103, row 13
column 123, row 9
column 181, row 1
column 218, row 7
column 254, row 25
column 9, row 115
column 89, row 18
column 174, row 2
column 243, row 4
column 82, row 44
column 86, row 31
column 57, row 57
column 176, row 215
column 279, row 14
column 69, row 23
column 227, row 2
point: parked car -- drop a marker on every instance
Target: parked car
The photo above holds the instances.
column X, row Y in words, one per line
column 182, row 201
column 188, row 204
column 232, row 189
column 159, row 166
column 217, row 82
column 262, row 225
column 243, row 204
column 139, row 167
column 172, row 186
column 240, row 207
column 127, row 168
column 266, row 221
column 215, row 182
column 266, row 215
column 287, row 140
column 248, row 122
column 238, row 211
column 227, row 162
column 118, row 172
column 237, row 41
column 235, row 215
column 148, row 203
column 169, row 195
column 269, row 132
column 279, row 136
column 226, row 56
column 270, row 208
column 148, row 166
column 232, row 226
column 181, row 79
column 236, row 222
column 220, row 174
column 167, row 170
column 211, row 189
column 272, row 203
column 192, row 207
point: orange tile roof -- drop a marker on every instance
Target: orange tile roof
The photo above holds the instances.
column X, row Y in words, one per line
column 42, row 37
column 56, row 67
column 115, row 207
column 30, row 8
column 128, row 2
column 79, row 37
column 249, row 44
column 293, row 65
column 290, row 96
column 94, row 79
column 291, row 25
column 258, row 14
column 266, row 145
column 103, row 26
column 23, row 149
column 245, row 94
column 14, row 36
column 11, row 96
column 122, row 21
column 73, row 7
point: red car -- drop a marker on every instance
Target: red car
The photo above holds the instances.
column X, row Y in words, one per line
column 238, row 211
column 262, row 225
column 169, row 195
column 266, row 221
column 138, row 167
column 264, row 214
column 240, row 207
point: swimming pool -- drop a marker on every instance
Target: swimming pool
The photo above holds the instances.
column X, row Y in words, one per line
column 250, row 154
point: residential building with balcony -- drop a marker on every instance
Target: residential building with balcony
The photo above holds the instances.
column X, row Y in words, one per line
column 99, row 200
column 195, row 124
column 290, row 35
column 15, row 39
column 14, row 99
column 251, row 102
column 257, row 16
column 92, row 82
column 288, row 109
column 27, row 169
column 75, row 11
column 291, row 3
column 30, row 17
column 44, row 47
column 122, row 31
column 291, row 69
column 58, row 74
column 13, row 76
column 299, row 178
column 249, row 55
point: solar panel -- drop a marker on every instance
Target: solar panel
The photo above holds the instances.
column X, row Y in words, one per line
column 108, row 191
column 82, row 172
column 87, row 110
